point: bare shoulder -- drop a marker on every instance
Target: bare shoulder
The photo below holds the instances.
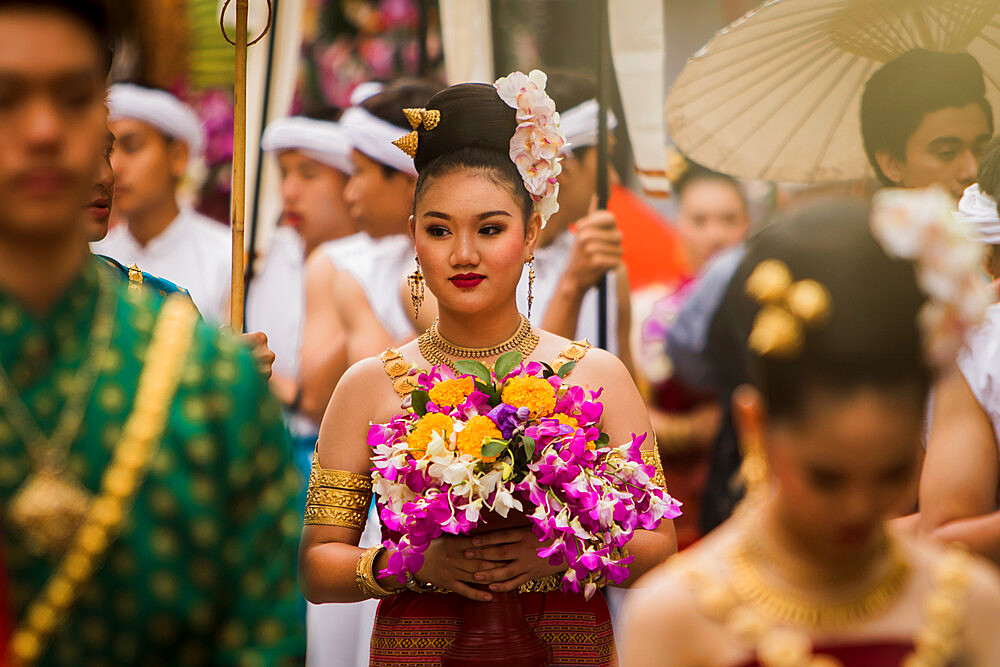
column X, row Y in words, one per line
column 593, row 364
column 954, row 564
column 319, row 264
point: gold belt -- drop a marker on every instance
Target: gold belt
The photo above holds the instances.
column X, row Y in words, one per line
column 548, row 584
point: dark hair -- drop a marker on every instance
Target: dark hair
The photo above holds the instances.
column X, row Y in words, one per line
column 388, row 105
column 989, row 170
column 898, row 96
column 871, row 338
column 474, row 133
column 569, row 89
column 696, row 173
column 327, row 113
column 93, row 14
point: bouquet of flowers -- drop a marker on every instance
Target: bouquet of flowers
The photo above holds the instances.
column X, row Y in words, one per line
column 475, row 442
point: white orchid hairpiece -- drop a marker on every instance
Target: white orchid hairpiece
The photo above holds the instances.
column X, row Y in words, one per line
column 920, row 226
column 534, row 148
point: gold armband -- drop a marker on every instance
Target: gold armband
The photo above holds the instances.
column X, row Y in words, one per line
column 652, row 458
column 365, row 577
column 337, row 497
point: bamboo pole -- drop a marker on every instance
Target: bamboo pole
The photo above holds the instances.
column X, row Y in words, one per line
column 238, row 207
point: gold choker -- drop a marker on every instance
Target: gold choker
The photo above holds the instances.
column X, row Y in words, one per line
column 438, row 350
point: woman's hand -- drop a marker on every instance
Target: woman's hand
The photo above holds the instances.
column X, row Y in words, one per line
column 512, row 559
column 447, row 566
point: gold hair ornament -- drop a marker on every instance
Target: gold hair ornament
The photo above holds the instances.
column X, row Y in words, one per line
column 429, row 118
column 788, row 309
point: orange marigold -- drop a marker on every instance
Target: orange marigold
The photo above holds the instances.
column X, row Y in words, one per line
column 420, row 437
column 530, row 392
column 477, row 432
column 449, row 393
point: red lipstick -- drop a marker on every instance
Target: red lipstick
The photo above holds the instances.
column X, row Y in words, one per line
column 467, row 280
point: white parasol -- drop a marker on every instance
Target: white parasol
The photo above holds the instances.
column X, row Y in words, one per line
column 776, row 95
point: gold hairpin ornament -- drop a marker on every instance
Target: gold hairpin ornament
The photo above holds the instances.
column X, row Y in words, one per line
column 429, row 118
column 788, row 309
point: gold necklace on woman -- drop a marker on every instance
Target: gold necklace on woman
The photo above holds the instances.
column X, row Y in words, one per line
column 749, row 584
column 50, row 504
column 438, row 350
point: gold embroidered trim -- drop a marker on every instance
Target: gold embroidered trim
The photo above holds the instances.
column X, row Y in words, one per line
column 548, row 584
column 338, row 479
column 317, row 515
column 120, row 482
column 351, row 500
column 652, row 458
column 573, row 352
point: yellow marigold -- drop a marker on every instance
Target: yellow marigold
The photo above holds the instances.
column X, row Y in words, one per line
column 530, row 392
column 476, row 433
column 566, row 419
column 449, row 393
column 420, row 437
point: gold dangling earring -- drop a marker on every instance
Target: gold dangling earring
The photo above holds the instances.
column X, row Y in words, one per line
column 416, row 283
column 754, row 470
column 531, row 282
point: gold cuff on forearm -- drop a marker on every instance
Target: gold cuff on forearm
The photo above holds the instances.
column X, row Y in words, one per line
column 365, row 577
column 652, row 458
column 337, row 498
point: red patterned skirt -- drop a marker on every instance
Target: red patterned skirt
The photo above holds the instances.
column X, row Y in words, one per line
column 416, row 629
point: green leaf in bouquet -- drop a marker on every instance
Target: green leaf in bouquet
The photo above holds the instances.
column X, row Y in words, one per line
column 475, row 369
column 507, row 362
column 488, row 389
column 494, row 447
column 566, row 368
column 547, row 371
column 529, row 446
column 419, row 399
column 603, row 440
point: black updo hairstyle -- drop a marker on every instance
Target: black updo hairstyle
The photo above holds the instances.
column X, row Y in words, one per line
column 871, row 338
column 898, row 96
column 474, row 133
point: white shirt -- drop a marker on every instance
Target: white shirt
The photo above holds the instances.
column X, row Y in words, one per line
column 550, row 264
column 979, row 362
column 194, row 252
column 378, row 266
column 276, row 299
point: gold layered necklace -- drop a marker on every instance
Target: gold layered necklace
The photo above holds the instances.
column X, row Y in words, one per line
column 438, row 350
column 750, row 584
column 50, row 504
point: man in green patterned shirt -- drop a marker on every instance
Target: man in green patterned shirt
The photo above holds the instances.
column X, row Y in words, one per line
column 148, row 494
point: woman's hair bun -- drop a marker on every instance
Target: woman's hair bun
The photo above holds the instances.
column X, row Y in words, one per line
column 472, row 116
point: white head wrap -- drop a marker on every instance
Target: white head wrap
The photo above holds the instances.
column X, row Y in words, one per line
column 319, row 140
column 374, row 136
column 161, row 110
column 580, row 125
column 979, row 213
column 365, row 90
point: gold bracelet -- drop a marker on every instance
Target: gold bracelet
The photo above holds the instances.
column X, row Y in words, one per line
column 652, row 458
column 364, row 575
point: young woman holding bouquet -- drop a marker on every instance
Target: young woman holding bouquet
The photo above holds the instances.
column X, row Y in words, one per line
column 487, row 158
column 843, row 339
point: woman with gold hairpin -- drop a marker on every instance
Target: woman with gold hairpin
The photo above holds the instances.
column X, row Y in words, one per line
column 487, row 161
column 842, row 344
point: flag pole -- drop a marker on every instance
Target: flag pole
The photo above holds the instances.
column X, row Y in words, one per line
column 603, row 157
column 238, row 207
column 238, row 204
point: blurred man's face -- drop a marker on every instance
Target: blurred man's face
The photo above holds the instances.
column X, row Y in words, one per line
column 52, row 122
column 98, row 211
column 147, row 165
column 312, row 196
column 945, row 150
column 379, row 204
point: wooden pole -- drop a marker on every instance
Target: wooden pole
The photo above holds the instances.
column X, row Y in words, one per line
column 239, row 165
